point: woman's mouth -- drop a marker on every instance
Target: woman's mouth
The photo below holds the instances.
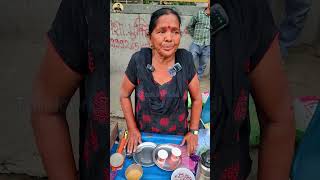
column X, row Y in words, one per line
column 168, row 48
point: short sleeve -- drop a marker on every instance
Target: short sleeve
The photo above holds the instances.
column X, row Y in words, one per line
column 131, row 70
column 263, row 31
column 68, row 35
column 191, row 68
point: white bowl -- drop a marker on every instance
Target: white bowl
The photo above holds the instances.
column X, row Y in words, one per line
column 183, row 172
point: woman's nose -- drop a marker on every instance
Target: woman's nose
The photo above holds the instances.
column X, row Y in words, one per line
column 168, row 36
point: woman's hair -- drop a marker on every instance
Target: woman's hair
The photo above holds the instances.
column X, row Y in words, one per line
column 158, row 13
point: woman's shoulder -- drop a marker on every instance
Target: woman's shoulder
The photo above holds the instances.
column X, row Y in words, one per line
column 184, row 56
column 142, row 53
column 183, row 53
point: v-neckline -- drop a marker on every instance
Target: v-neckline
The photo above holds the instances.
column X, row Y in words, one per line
column 163, row 84
column 167, row 82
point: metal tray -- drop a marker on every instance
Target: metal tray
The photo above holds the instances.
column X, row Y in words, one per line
column 143, row 155
column 168, row 164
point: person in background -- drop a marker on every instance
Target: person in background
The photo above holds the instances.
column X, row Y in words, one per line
column 199, row 30
column 291, row 26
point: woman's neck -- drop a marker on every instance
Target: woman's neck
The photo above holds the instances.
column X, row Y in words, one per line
column 162, row 61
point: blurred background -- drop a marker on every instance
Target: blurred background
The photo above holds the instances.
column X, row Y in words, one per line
column 23, row 24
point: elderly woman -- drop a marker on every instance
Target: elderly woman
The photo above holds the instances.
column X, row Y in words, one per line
column 161, row 77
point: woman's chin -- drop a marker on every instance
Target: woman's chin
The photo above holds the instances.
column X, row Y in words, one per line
column 168, row 53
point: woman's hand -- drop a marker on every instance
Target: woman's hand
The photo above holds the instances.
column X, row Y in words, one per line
column 134, row 137
column 192, row 142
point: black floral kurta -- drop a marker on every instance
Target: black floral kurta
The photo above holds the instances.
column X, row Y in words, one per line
column 174, row 114
column 237, row 50
column 78, row 33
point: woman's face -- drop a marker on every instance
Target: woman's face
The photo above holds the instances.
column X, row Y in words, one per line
column 165, row 38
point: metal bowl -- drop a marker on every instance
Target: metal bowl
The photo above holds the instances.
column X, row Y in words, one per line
column 168, row 164
column 143, row 155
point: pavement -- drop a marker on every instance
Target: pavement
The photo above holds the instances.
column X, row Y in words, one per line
column 19, row 177
column 302, row 68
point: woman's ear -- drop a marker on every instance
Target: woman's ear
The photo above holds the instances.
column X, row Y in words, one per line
column 149, row 40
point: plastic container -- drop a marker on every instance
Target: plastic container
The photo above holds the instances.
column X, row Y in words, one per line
column 116, row 160
column 162, row 156
column 175, row 154
column 134, row 172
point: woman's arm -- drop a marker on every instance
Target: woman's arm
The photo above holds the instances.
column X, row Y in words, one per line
column 195, row 94
column 54, row 86
column 271, row 94
column 191, row 139
column 134, row 135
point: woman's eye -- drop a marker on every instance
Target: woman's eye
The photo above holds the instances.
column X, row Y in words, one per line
column 176, row 32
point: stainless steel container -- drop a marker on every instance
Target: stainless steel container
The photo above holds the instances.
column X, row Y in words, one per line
column 203, row 170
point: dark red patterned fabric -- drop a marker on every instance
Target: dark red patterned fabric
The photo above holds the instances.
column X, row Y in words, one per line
column 84, row 51
column 91, row 65
column 241, row 110
column 172, row 124
column 173, row 116
column 238, row 49
column 100, row 107
column 231, row 173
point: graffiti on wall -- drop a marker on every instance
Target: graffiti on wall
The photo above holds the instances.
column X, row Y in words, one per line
column 130, row 35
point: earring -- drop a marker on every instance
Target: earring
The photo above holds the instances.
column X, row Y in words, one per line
column 151, row 46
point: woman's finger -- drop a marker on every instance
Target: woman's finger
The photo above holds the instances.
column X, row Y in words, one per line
column 135, row 142
column 126, row 143
column 194, row 144
column 183, row 141
column 140, row 141
column 193, row 148
column 189, row 148
column 130, row 146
